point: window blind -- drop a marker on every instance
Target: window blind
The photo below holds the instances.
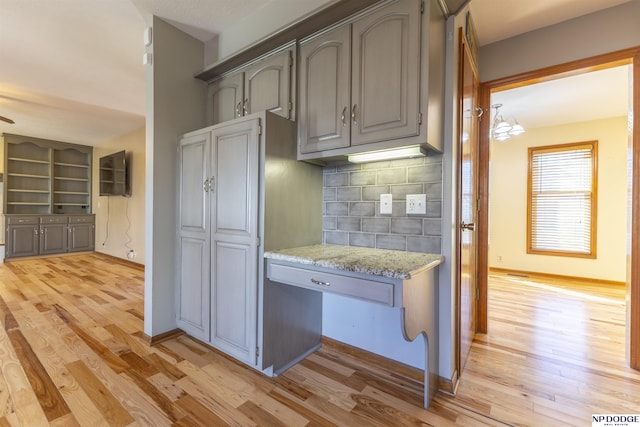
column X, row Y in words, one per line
column 562, row 189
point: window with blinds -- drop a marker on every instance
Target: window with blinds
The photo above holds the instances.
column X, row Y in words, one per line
column 562, row 200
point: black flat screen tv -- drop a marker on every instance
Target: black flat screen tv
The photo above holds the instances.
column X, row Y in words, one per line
column 115, row 174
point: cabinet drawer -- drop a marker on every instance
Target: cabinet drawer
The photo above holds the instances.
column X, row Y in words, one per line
column 364, row 289
column 22, row 220
column 53, row 219
column 81, row 219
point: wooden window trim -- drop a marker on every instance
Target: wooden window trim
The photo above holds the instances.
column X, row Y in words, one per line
column 593, row 145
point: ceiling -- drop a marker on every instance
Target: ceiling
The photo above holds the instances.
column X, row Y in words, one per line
column 71, row 70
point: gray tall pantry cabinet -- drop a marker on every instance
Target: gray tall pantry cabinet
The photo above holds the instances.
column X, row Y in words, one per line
column 241, row 192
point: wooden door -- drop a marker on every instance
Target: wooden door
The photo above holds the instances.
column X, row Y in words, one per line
column 193, row 310
column 234, row 238
column 225, row 99
column 386, row 74
column 267, row 85
column 323, row 119
column 468, row 207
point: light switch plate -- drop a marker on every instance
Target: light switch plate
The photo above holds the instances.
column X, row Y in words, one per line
column 386, row 204
column 416, row 204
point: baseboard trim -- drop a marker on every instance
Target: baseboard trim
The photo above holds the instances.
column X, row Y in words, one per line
column 555, row 276
column 122, row 261
column 160, row 338
column 449, row 386
column 358, row 353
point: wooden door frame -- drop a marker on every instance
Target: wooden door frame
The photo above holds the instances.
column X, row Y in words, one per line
column 629, row 56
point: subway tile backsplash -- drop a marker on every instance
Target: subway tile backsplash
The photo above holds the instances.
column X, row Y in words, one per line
column 351, row 206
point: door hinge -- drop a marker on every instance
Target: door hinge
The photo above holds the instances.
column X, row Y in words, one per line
column 290, row 60
column 257, row 351
column 259, row 129
column 258, row 241
column 419, row 118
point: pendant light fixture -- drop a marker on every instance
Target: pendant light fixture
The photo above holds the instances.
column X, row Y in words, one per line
column 501, row 129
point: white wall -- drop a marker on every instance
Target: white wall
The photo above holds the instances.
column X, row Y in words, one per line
column 175, row 105
column 508, row 201
column 120, row 221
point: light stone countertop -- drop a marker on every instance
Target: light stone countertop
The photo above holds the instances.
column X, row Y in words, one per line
column 377, row 262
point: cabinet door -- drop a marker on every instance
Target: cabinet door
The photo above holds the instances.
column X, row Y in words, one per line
column 193, row 250
column 225, row 99
column 323, row 119
column 234, row 246
column 22, row 240
column 267, row 85
column 386, row 74
column 81, row 237
column 53, row 238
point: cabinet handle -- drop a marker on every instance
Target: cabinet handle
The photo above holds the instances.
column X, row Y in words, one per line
column 353, row 114
column 205, row 185
column 212, row 184
column 344, row 116
column 245, row 107
column 35, row 231
column 238, row 109
column 320, row 282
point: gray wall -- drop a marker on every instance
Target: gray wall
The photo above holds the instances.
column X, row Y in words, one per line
column 351, row 205
column 594, row 34
column 175, row 105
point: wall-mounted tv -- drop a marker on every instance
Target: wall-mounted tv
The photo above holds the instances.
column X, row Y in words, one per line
column 115, row 174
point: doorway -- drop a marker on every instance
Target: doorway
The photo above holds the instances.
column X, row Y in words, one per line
column 627, row 57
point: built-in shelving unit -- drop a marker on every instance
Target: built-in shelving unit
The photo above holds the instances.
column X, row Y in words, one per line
column 46, row 177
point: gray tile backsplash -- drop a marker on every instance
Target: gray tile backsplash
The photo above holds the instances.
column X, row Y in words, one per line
column 351, row 207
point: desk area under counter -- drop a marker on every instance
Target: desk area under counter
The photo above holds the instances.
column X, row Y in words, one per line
column 406, row 281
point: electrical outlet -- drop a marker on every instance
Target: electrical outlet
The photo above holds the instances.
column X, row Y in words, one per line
column 131, row 254
column 386, row 204
column 416, row 204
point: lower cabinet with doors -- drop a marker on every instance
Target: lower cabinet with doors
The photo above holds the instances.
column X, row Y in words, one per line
column 241, row 192
column 30, row 235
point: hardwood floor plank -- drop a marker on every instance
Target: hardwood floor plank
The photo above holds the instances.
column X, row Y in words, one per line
column 51, row 402
column 109, row 406
column 554, row 354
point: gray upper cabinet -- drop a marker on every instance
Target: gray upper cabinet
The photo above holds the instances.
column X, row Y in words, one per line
column 325, row 101
column 263, row 85
column 225, row 98
column 360, row 82
column 386, row 74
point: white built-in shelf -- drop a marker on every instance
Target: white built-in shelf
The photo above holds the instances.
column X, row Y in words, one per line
column 22, row 190
column 64, row 178
column 73, row 165
column 27, row 175
column 28, row 203
column 21, row 159
column 78, row 193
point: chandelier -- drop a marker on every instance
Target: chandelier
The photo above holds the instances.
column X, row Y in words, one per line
column 502, row 129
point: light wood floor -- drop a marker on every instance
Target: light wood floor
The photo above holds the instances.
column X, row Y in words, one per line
column 72, row 353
